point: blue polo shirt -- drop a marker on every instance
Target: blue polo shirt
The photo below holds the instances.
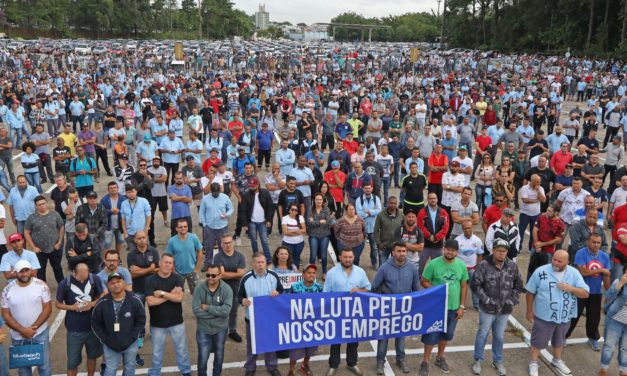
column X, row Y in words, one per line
column 135, row 214
column 184, row 252
column 264, row 140
column 338, row 281
column 180, row 209
column 342, row 129
column 23, row 205
column 552, row 304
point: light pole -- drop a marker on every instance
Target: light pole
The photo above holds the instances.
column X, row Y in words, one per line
column 199, row 19
column 442, row 28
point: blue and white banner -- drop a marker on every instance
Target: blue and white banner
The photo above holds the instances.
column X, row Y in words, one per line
column 293, row 321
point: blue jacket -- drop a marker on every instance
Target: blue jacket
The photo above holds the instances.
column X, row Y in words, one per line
column 106, row 202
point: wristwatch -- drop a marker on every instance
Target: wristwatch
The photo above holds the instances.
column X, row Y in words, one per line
column 462, row 307
column 162, row 294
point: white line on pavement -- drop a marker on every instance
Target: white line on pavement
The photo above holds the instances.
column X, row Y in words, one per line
column 51, row 188
column 320, row 358
column 18, row 155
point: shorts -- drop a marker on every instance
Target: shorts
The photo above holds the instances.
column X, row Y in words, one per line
column 543, row 331
column 432, row 339
column 112, row 235
column 162, row 203
column 75, row 343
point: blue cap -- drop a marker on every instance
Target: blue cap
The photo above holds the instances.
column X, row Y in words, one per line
column 147, row 137
column 335, row 164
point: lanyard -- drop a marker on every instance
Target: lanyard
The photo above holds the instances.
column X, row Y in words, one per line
column 115, row 310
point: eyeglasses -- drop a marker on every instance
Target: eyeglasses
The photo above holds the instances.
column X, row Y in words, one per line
column 212, row 275
column 143, row 165
column 293, row 210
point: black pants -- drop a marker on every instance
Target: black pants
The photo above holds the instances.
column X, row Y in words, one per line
column 101, row 154
column 153, row 210
column 171, row 169
column 609, row 170
column 45, row 168
column 450, row 227
column 351, row 355
column 261, row 155
column 328, row 139
column 592, row 304
column 609, row 133
column 55, row 261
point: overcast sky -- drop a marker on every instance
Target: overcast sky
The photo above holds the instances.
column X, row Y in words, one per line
column 296, row 11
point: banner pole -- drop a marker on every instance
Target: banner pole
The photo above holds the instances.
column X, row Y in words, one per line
column 251, row 315
column 446, row 309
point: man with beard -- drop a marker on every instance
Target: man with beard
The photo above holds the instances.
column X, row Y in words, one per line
column 26, row 307
column 135, row 216
column 112, row 265
column 215, row 211
column 552, row 294
column 374, row 169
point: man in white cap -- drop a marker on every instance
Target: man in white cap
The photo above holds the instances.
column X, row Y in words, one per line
column 26, row 308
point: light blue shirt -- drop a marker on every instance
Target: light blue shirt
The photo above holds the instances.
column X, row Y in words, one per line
column 11, row 258
column 135, row 214
column 195, row 145
column 156, row 127
column 211, row 208
column 372, row 204
column 286, row 158
column 173, row 145
column 76, row 108
column 23, row 206
column 495, row 133
column 527, row 133
column 15, row 119
column 338, row 281
column 301, row 175
column 147, row 151
column 419, row 162
column 176, row 125
column 556, row 141
column 552, row 304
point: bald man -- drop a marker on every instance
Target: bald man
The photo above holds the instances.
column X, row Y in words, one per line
column 552, row 293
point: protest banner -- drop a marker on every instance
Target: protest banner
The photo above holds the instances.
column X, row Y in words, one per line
column 293, row 321
column 288, row 279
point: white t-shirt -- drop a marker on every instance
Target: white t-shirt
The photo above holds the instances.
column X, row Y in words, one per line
column 158, row 189
column 421, row 115
column 527, row 192
column 258, row 215
column 293, row 226
column 464, row 163
column 457, row 180
column 25, row 303
column 469, row 249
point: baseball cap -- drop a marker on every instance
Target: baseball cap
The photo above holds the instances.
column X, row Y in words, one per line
column 500, row 243
column 189, row 158
column 452, row 243
column 146, row 137
column 569, row 165
column 123, row 156
column 463, row 147
column 455, row 164
column 335, row 164
column 22, row 264
column 92, row 194
column 253, row 182
column 310, row 266
column 509, row 212
column 114, row 275
column 15, row 237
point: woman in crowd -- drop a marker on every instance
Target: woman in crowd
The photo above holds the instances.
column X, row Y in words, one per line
column 319, row 230
column 484, row 176
column 293, row 226
column 350, row 230
column 30, row 162
column 282, row 261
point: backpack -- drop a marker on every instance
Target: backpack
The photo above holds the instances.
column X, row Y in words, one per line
column 90, row 160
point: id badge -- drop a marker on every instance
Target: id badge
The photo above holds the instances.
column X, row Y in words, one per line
column 116, row 327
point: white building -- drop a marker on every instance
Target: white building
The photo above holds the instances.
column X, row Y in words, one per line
column 262, row 18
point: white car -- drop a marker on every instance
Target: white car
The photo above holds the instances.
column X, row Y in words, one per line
column 131, row 46
column 13, row 46
column 99, row 50
column 82, row 49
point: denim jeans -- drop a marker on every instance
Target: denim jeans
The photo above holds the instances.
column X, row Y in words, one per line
column 4, row 182
column 46, row 368
column 374, row 252
column 112, row 359
column 526, row 220
column 382, row 349
column 179, row 340
column 260, row 228
column 497, row 324
column 475, row 298
column 318, row 247
column 20, row 226
column 397, row 170
column 16, row 137
column 295, row 250
column 480, row 191
column 385, row 182
column 207, row 344
column 34, row 179
column 4, row 364
column 615, row 340
column 357, row 250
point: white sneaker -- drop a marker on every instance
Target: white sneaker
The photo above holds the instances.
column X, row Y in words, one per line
column 533, row 369
column 559, row 364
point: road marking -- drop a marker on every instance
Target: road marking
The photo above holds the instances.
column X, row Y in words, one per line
column 18, row 155
column 51, row 188
column 317, row 358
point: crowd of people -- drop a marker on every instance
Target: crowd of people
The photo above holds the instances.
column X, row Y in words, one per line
column 314, row 152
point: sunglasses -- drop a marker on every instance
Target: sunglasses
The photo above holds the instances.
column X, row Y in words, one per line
column 212, row 275
column 293, row 210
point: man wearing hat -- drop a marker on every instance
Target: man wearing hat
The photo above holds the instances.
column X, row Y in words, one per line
column 147, row 149
column 446, row 269
column 497, row 283
column 13, row 256
column 504, row 229
column 26, row 307
column 118, row 320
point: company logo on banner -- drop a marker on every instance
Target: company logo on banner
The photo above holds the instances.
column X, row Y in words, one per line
column 295, row 321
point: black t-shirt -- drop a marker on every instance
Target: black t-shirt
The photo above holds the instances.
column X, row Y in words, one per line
column 6, row 152
column 77, row 292
column 109, row 123
column 169, row 313
column 142, row 260
column 64, row 165
column 405, row 153
column 206, row 114
column 536, row 151
column 231, row 264
column 58, row 197
column 591, row 143
column 547, row 177
column 287, row 198
column 579, row 159
column 414, row 188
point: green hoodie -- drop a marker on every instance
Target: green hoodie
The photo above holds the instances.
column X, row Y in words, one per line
column 214, row 318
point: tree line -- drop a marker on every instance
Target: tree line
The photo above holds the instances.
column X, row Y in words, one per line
column 129, row 18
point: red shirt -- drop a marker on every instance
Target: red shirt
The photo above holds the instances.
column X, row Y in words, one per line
column 350, row 147
column 492, row 214
column 484, row 142
column 620, row 218
column 435, row 177
column 559, row 161
column 620, row 247
column 236, row 132
column 489, row 117
column 549, row 229
column 336, row 193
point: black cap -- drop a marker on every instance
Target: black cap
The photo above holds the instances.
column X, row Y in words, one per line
column 92, row 194
column 452, row 243
column 113, row 276
column 123, row 156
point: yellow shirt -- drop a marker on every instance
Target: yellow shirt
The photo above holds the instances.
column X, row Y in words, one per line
column 481, row 106
column 70, row 141
column 355, row 124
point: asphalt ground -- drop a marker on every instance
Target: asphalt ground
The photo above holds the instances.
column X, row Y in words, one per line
column 578, row 356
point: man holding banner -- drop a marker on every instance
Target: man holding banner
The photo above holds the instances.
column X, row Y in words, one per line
column 258, row 282
column 395, row 276
column 446, row 269
column 346, row 277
